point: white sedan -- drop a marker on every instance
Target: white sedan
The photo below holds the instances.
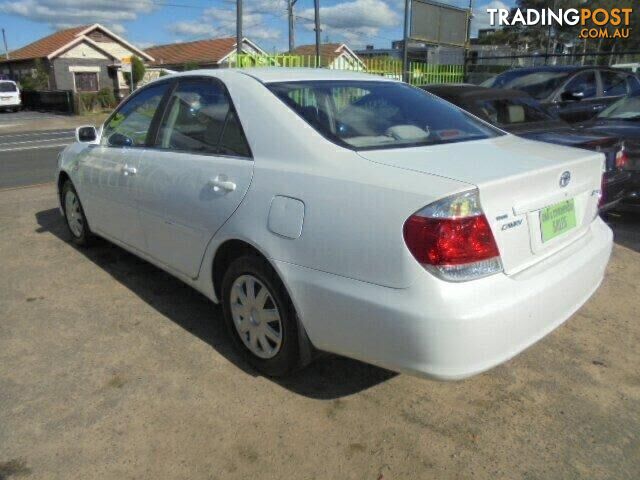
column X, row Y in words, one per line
column 342, row 212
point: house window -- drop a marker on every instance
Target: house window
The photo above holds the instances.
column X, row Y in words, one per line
column 86, row 81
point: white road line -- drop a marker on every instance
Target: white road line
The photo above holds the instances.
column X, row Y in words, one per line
column 2, row 144
column 33, row 148
column 46, row 133
column 21, row 187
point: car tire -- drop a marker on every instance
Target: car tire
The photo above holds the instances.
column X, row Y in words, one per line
column 75, row 218
column 262, row 323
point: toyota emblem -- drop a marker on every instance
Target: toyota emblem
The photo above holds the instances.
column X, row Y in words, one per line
column 565, row 178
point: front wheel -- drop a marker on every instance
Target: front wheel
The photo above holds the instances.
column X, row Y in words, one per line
column 260, row 316
column 74, row 215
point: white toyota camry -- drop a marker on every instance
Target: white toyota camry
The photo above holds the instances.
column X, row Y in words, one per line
column 343, row 212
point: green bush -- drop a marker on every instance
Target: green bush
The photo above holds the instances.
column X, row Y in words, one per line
column 137, row 73
column 106, row 99
column 86, row 102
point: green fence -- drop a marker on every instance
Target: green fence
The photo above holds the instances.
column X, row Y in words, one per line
column 420, row 73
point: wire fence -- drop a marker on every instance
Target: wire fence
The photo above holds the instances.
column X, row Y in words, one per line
column 420, row 73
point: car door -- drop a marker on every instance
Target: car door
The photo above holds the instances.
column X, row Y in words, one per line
column 579, row 98
column 108, row 170
column 194, row 176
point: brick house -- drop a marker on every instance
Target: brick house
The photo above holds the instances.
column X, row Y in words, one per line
column 209, row 53
column 332, row 56
column 83, row 59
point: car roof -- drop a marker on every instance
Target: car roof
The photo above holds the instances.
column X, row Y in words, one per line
column 282, row 74
column 473, row 92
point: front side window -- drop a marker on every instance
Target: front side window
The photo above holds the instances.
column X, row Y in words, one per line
column 513, row 111
column 613, row 84
column 584, row 83
column 86, row 81
column 376, row 114
column 129, row 126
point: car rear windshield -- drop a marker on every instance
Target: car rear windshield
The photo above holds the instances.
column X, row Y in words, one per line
column 537, row 84
column 514, row 111
column 8, row 87
column 365, row 115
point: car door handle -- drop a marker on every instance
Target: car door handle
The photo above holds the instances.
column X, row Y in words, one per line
column 598, row 107
column 218, row 184
column 127, row 170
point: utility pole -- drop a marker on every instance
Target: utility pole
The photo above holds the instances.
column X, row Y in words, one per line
column 238, row 31
column 6, row 49
column 317, row 20
column 405, row 41
column 292, row 27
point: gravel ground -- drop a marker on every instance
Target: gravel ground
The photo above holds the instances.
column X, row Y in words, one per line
column 111, row 369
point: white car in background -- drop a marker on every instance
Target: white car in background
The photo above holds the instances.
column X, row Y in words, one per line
column 343, row 212
column 9, row 96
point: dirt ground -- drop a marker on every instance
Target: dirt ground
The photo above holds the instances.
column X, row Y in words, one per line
column 111, row 369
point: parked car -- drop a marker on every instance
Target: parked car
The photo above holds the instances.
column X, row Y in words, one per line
column 343, row 212
column 622, row 119
column 573, row 93
column 9, row 96
column 518, row 113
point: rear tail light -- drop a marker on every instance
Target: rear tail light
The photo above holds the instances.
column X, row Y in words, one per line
column 452, row 239
column 622, row 159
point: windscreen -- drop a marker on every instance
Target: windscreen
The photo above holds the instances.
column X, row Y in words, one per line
column 626, row 109
column 8, row 87
column 372, row 114
column 537, row 84
column 514, row 111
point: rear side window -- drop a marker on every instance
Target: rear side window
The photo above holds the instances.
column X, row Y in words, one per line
column 8, row 87
column 130, row 124
column 200, row 119
column 614, row 84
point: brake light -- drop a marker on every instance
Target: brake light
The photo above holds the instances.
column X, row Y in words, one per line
column 452, row 238
column 622, row 159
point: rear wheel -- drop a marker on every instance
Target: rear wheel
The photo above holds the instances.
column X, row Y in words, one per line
column 74, row 215
column 260, row 316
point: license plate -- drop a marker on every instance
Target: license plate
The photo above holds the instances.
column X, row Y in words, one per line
column 5, row 98
column 557, row 219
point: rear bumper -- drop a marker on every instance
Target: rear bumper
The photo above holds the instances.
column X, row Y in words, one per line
column 448, row 330
column 10, row 103
column 616, row 186
column 632, row 199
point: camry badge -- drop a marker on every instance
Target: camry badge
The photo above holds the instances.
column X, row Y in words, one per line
column 565, row 178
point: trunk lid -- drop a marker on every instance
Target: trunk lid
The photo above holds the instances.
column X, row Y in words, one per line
column 516, row 179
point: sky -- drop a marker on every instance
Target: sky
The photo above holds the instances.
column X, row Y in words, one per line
column 153, row 22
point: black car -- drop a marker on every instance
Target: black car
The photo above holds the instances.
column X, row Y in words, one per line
column 518, row 113
column 622, row 120
column 574, row 94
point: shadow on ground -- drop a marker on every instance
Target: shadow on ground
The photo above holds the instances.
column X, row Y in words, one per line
column 626, row 229
column 329, row 377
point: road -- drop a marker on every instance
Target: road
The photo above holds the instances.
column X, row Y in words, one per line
column 29, row 158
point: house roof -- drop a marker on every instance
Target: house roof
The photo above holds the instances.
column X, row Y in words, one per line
column 61, row 40
column 328, row 52
column 205, row 52
column 47, row 45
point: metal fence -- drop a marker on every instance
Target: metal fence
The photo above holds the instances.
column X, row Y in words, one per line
column 420, row 73
column 50, row 101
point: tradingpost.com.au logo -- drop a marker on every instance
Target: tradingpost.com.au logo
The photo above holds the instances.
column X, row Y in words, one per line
column 595, row 22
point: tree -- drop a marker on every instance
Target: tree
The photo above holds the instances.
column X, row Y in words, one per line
column 38, row 80
column 137, row 73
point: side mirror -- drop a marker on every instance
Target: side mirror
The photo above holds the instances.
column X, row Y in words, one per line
column 86, row 134
column 574, row 96
column 120, row 140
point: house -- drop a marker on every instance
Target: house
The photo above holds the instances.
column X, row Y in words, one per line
column 83, row 59
column 209, row 53
column 332, row 55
